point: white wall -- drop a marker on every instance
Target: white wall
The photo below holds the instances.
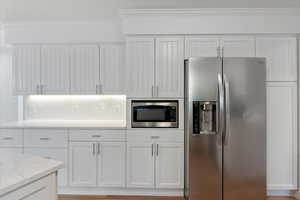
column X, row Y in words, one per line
column 94, row 10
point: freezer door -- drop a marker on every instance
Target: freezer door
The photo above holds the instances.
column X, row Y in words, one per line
column 203, row 142
column 244, row 150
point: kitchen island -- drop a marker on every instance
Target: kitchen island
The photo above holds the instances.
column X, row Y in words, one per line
column 27, row 177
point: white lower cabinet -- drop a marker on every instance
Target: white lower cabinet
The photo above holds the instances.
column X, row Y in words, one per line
column 55, row 154
column 83, row 161
column 155, row 164
column 97, row 164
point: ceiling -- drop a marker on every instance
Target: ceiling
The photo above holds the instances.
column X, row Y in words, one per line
column 95, row 10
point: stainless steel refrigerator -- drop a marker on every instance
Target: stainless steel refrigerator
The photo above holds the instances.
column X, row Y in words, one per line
column 225, row 129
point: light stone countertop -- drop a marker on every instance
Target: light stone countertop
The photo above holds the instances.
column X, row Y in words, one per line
column 105, row 124
column 17, row 170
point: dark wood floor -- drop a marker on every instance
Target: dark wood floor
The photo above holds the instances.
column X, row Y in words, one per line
column 70, row 197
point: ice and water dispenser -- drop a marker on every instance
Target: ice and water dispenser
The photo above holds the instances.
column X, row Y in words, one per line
column 204, row 117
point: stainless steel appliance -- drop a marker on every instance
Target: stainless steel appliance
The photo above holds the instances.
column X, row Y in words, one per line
column 225, row 128
column 154, row 114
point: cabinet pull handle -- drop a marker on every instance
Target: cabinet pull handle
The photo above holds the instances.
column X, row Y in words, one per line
column 98, row 150
column 152, row 91
column 96, row 136
column 41, row 89
column 152, row 146
column 154, row 137
column 8, row 138
column 37, row 89
column 94, row 146
column 157, row 146
column 44, row 138
column 156, row 91
column 101, row 89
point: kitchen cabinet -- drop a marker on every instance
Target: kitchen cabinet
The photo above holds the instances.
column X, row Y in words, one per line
column 84, row 69
column 169, row 67
column 281, row 55
column 55, row 154
column 140, row 67
column 55, row 73
column 11, row 138
column 155, row 159
column 228, row 46
column 112, row 68
column 26, row 69
column 282, row 135
column 83, row 159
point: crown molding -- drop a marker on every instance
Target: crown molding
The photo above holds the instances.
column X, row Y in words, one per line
column 210, row 21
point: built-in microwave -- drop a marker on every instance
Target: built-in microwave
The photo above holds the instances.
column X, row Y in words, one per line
column 154, row 114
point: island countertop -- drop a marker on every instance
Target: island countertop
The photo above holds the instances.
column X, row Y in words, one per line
column 17, row 170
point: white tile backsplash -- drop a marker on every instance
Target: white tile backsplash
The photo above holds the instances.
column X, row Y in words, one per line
column 75, row 107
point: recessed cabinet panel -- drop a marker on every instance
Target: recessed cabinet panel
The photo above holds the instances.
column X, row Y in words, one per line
column 55, row 69
column 281, row 54
column 111, row 164
column 113, row 68
column 201, row 47
column 169, row 68
column 139, row 67
column 140, row 164
column 83, row 159
column 238, row 46
column 282, row 136
column 26, row 69
column 84, row 69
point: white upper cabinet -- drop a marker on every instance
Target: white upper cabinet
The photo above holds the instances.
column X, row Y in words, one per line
column 281, row 54
column 112, row 68
column 238, row 46
column 84, row 69
column 55, row 69
column 201, row 46
column 111, row 164
column 282, row 135
column 139, row 67
column 26, row 69
column 169, row 165
column 169, row 68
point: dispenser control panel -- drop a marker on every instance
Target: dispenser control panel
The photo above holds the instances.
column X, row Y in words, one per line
column 204, row 117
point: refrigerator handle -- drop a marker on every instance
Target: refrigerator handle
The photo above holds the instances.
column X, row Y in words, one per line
column 227, row 111
column 220, row 121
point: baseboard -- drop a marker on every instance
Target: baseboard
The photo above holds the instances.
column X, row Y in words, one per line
column 281, row 193
column 120, row 191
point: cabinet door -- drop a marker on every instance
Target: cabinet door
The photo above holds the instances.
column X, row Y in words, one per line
column 237, row 46
column 111, row 164
column 112, row 69
column 26, row 69
column 281, row 54
column 83, row 161
column 140, row 164
column 201, row 47
column 169, row 165
column 139, row 67
column 55, row 69
column 169, row 71
column 84, row 69
column 55, row 154
column 282, row 136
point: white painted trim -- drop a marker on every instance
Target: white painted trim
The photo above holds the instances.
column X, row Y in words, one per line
column 210, row 21
column 67, row 32
column 281, row 193
column 119, row 191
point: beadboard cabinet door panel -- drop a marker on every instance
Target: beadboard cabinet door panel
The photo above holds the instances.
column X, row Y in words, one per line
column 84, row 69
column 282, row 136
column 238, row 46
column 281, row 54
column 139, row 67
column 26, row 69
column 112, row 68
column 201, row 46
column 169, row 68
column 55, row 69
column 111, row 164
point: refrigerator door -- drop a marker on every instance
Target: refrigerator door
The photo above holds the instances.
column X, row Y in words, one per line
column 203, row 142
column 244, row 150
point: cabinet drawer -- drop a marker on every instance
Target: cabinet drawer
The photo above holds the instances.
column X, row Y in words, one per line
column 11, row 137
column 97, row 135
column 45, row 138
column 166, row 135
